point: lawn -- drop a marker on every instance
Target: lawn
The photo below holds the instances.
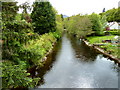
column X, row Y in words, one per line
column 111, row 48
column 98, row 39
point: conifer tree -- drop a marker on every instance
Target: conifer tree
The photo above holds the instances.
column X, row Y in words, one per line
column 43, row 17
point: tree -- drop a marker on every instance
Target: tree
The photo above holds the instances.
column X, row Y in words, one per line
column 25, row 6
column 43, row 17
column 62, row 17
column 96, row 24
column 103, row 21
column 110, row 15
column 83, row 25
column 79, row 26
column 117, row 15
column 103, row 10
column 59, row 24
column 9, row 11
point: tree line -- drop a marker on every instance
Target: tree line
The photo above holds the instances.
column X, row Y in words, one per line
column 93, row 24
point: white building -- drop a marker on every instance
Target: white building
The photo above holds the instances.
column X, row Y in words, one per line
column 113, row 25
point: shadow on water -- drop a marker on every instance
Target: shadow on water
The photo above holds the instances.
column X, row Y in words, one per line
column 82, row 51
column 48, row 63
column 72, row 64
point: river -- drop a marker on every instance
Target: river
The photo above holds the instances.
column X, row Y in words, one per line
column 72, row 64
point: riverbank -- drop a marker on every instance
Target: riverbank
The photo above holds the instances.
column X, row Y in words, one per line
column 32, row 55
column 42, row 60
column 97, row 48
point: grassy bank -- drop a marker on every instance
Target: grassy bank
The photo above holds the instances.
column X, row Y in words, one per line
column 102, row 41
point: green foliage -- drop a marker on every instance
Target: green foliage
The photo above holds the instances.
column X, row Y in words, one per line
column 79, row 25
column 117, row 15
column 9, row 11
column 97, row 24
column 66, row 23
column 15, row 34
column 113, row 15
column 43, row 17
column 15, row 76
column 18, row 26
column 18, row 17
column 57, row 34
column 25, row 6
column 23, row 47
column 84, row 26
column 60, row 26
column 110, row 15
column 35, row 50
column 114, row 31
column 103, row 22
column 62, row 17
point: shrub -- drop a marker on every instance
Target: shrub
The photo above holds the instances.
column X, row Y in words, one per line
column 35, row 50
column 15, row 35
column 114, row 32
column 14, row 76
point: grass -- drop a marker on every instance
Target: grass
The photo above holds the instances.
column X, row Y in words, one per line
column 108, row 47
column 98, row 39
column 111, row 49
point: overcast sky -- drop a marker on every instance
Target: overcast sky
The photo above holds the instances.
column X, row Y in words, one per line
column 73, row 7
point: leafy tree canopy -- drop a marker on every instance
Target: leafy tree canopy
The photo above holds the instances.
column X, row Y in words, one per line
column 97, row 24
column 112, row 15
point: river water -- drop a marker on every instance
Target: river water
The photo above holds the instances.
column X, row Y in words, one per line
column 72, row 64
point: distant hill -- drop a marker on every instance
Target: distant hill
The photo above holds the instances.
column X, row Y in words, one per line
column 65, row 16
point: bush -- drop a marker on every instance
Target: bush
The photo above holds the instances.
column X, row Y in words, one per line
column 14, row 76
column 57, row 35
column 114, row 32
column 35, row 50
column 15, row 35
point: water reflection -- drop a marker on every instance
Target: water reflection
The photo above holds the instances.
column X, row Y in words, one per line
column 74, row 65
column 83, row 52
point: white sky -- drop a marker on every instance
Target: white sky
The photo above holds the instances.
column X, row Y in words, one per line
column 73, row 7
